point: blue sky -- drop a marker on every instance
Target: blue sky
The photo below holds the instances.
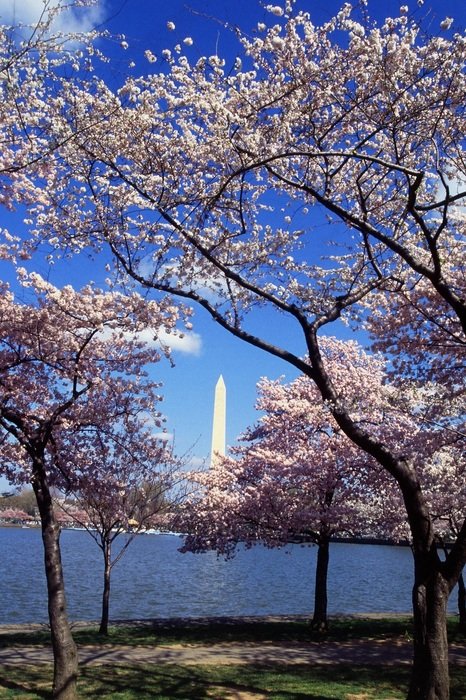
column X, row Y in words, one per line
column 188, row 388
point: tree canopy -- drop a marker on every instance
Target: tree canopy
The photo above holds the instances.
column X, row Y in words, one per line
column 211, row 181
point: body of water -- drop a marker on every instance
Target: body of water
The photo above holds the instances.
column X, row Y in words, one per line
column 154, row 580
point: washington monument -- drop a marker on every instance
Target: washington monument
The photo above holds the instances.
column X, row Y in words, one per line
column 219, row 422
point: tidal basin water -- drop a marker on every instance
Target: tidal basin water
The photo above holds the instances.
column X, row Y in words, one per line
column 153, row 579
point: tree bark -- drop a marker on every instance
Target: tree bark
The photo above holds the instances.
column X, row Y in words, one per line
column 103, row 629
column 430, row 675
column 462, row 603
column 65, row 657
column 319, row 620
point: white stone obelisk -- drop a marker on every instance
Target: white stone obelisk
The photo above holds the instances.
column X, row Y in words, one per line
column 219, row 422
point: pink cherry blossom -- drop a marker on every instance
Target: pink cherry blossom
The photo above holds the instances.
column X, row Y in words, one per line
column 76, row 400
column 207, row 173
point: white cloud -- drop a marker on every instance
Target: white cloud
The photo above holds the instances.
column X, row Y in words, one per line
column 188, row 343
column 164, row 436
column 78, row 19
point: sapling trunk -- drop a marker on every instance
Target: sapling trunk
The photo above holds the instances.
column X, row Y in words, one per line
column 107, row 550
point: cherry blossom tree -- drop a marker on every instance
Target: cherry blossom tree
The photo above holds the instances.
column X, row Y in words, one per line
column 131, row 481
column 32, row 61
column 68, row 362
column 298, row 478
column 223, row 184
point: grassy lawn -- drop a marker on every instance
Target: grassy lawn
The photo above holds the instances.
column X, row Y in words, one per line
column 124, row 682
column 167, row 682
column 163, row 633
column 136, row 683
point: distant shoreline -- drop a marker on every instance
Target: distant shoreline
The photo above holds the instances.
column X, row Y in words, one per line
column 334, row 540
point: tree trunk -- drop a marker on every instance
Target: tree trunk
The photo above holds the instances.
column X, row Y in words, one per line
column 462, row 603
column 319, row 620
column 430, row 676
column 65, row 655
column 103, row 629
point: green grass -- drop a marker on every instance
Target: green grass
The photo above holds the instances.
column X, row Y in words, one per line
column 131, row 683
column 172, row 682
column 163, row 633
column 169, row 682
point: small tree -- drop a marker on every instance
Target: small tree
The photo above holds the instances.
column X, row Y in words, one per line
column 131, row 482
column 68, row 362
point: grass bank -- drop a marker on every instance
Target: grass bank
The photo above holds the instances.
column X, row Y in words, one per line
column 214, row 631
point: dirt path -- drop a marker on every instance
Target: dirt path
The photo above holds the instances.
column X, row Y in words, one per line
column 351, row 652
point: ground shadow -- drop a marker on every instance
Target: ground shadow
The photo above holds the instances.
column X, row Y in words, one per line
column 31, row 687
column 203, row 683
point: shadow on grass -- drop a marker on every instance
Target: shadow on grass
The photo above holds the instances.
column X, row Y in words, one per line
column 216, row 630
column 161, row 682
column 213, row 631
column 26, row 684
column 173, row 682
column 179, row 683
column 19, row 638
